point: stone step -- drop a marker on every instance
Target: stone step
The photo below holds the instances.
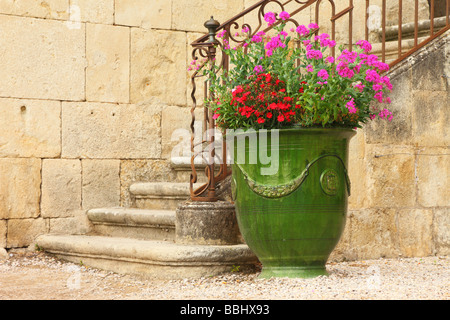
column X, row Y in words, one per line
column 391, row 48
column 133, row 223
column 159, row 195
column 148, row 258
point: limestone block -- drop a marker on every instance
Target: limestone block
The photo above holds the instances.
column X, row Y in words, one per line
column 155, row 14
column 22, row 133
column 20, row 181
column 22, row 232
column 99, row 11
column 158, row 66
column 45, row 59
column 424, row 72
column 108, row 57
column 357, row 171
column 111, row 131
column 432, row 170
column 49, row 9
column 441, row 231
column 391, row 176
column 142, row 171
column 373, row 234
column 2, row 233
column 188, row 15
column 79, row 224
column 176, row 131
column 430, row 119
column 101, row 183
column 415, row 232
column 61, row 188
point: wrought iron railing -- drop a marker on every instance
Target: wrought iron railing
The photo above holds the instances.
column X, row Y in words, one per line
column 375, row 23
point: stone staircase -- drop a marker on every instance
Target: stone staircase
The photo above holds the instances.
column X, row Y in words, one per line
column 408, row 42
column 143, row 240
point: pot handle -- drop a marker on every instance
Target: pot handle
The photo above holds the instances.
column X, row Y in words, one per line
column 268, row 191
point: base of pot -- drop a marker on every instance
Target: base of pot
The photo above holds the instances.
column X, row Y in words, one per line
column 292, row 272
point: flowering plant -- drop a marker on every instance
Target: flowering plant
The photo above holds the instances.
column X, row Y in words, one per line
column 275, row 84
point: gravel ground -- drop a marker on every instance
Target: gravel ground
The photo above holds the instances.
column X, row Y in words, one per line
column 29, row 275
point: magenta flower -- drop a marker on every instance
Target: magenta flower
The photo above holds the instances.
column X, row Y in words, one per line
column 314, row 54
column 258, row 69
column 310, row 68
column 284, row 15
column 323, row 74
column 330, row 59
column 269, row 17
column 313, row 26
column 351, row 106
column 302, row 30
column 365, row 45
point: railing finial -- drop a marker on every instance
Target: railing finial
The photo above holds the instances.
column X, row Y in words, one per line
column 212, row 26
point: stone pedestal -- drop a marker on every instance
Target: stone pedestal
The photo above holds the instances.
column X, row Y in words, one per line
column 207, row 223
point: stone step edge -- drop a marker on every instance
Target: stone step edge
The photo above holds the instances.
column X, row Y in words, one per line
column 132, row 217
column 161, row 190
column 152, row 258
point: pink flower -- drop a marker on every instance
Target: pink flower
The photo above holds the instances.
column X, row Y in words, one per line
column 365, row 45
column 313, row 26
column 215, row 116
column 258, row 37
column 351, row 106
column 302, row 30
column 314, row 54
column 330, row 59
column 221, row 34
column 269, row 17
column 379, row 96
column 385, row 113
column 323, row 74
column 284, row 15
column 259, row 69
column 372, row 76
column 310, row 68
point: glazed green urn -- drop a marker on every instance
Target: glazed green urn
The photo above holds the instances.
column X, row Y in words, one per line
column 290, row 188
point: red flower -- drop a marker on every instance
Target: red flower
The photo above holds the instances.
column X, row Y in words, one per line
column 261, row 120
column 269, row 115
column 280, row 118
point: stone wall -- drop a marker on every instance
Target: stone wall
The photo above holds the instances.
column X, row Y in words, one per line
column 91, row 93
column 400, row 203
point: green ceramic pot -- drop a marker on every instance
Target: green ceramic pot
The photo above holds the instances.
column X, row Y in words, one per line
column 293, row 216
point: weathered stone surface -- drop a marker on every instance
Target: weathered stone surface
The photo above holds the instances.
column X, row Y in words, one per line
column 415, row 232
column 424, row 72
column 432, row 170
column 188, row 15
column 373, row 234
column 22, row 232
column 357, row 172
column 111, row 131
column 49, row 9
column 79, row 224
column 156, row 14
column 46, row 59
column 101, row 183
column 207, row 223
column 99, row 11
column 20, row 181
column 108, row 70
column 176, row 131
column 22, row 129
column 391, row 176
column 441, row 231
column 430, row 119
column 61, row 188
column 158, row 66
column 2, row 233
column 3, row 254
column 132, row 171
